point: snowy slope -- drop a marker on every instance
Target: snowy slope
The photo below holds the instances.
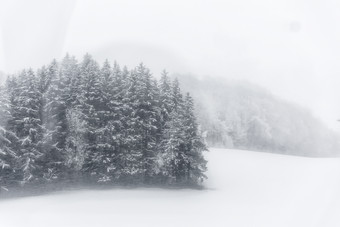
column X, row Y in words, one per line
column 245, row 188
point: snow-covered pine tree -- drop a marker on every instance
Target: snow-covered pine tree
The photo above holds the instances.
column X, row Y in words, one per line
column 106, row 130
column 8, row 142
column 29, row 127
column 122, row 93
column 176, row 95
column 15, row 125
column 114, row 87
column 76, row 145
column 165, row 108
column 165, row 99
column 171, row 159
column 55, row 122
column 131, row 152
column 182, row 161
column 141, row 125
column 157, row 127
column 70, row 81
column 89, row 103
column 147, row 115
column 70, row 90
column 76, row 121
column 194, row 146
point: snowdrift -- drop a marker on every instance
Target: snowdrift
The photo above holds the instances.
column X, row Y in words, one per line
column 244, row 188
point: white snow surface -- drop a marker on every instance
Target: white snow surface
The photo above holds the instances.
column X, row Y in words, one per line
column 244, row 188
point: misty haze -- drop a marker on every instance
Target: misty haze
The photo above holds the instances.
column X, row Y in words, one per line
column 169, row 113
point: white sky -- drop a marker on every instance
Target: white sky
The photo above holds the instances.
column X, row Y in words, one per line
column 291, row 47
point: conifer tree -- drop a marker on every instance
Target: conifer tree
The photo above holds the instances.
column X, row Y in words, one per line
column 70, row 81
column 74, row 122
column 172, row 145
column 122, row 92
column 14, row 125
column 165, row 100
column 70, row 91
column 196, row 164
column 29, row 127
column 105, row 133
column 55, row 122
column 8, row 142
column 90, row 102
column 173, row 139
column 182, row 147
column 176, row 95
column 132, row 158
column 146, row 114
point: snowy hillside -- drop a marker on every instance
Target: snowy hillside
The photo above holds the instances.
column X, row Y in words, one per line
column 244, row 189
column 238, row 114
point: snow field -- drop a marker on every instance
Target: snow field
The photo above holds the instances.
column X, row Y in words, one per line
column 244, row 189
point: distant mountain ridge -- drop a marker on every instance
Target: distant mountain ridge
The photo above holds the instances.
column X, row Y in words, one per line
column 236, row 114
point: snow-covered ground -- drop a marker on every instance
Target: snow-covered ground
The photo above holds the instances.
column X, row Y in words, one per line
column 245, row 188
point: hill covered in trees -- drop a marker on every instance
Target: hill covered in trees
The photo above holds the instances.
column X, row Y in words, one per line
column 235, row 114
column 85, row 123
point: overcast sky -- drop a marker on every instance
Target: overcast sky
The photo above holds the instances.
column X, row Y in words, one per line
column 291, row 47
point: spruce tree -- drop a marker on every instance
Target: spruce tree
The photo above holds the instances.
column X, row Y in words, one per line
column 106, row 131
column 132, row 160
column 29, row 127
column 55, row 122
column 123, row 90
column 194, row 146
column 147, row 115
column 182, row 159
column 74, row 122
column 173, row 139
column 70, row 91
column 89, row 103
column 165, row 99
column 70, row 81
column 8, row 143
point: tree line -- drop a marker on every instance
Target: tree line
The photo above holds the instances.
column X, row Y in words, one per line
column 242, row 115
column 102, row 124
